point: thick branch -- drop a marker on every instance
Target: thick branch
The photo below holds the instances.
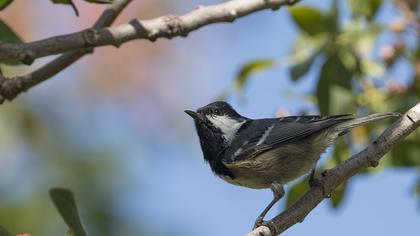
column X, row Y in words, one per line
column 165, row 26
column 11, row 87
column 332, row 178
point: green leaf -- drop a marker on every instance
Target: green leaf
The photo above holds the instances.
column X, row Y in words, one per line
column 357, row 32
column 373, row 68
column 300, row 69
column 251, row 68
column 407, row 153
column 4, row 3
column 69, row 233
column 296, row 191
column 67, row 2
column 364, row 8
column 305, row 50
column 4, row 232
column 7, row 35
column 100, row 1
column 341, row 153
column 323, row 94
column 66, row 205
column 333, row 72
column 341, row 100
column 333, row 16
column 350, row 60
column 309, row 20
column 338, row 194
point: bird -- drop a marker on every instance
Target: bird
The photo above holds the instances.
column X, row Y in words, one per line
column 269, row 152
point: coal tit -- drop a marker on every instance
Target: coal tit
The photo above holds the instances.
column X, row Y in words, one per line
column 267, row 153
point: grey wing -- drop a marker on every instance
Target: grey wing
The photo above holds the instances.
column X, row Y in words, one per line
column 285, row 130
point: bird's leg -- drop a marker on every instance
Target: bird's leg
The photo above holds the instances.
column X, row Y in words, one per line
column 313, row 182
column 278, row 193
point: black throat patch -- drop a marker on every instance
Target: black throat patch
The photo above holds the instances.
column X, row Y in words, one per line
column 213, row 145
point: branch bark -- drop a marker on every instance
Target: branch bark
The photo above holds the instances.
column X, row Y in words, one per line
column 162, row 27
column 332, row 178
column 11, row 87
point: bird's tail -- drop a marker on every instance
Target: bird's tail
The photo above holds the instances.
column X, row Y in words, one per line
column 347, row 125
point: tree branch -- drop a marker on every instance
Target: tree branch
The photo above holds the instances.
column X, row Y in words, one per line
column 162, row 27
column 332, row 178
column 11, row 87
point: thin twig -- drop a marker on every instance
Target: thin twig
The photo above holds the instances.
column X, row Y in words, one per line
column 161, row 27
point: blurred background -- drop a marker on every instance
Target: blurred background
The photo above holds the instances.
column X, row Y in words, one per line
column 112, row 129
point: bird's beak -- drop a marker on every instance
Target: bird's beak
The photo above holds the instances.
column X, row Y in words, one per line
column 193, row 114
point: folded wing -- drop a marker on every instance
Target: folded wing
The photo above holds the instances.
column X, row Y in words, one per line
column 284, row 130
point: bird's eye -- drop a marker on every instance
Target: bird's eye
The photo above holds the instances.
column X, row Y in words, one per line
column 216, row 112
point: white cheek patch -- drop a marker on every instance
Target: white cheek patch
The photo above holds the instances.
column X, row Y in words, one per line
column 227, row 125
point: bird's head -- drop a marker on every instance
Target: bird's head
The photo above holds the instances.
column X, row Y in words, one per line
column 217, row 120
column 217, row 124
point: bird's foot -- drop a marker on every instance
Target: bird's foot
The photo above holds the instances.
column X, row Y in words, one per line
column 260, row 222
column 315, row 182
